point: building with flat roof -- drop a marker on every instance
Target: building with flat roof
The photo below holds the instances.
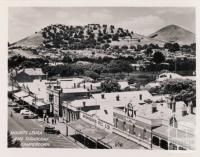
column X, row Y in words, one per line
column 142, row 122
column 169, row 75
column 103, row 103
column 64, row 90
column 126, row 114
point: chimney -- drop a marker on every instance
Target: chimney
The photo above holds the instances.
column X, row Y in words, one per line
column 74, row 85
column 84, row 103
column 117, row 97
column 171, row 103
column 91, row 87
column 140, row 96
column 154, row 107
column 174, row 106
column 102, row 96
column 84, row 86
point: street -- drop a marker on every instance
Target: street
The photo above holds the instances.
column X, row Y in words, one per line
column 30, row 133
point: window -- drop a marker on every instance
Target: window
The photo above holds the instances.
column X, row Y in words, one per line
column 172, row 146
column 51, row 97
column 181, row 148
column 155, row 141
column 164, row 144
column 116, row 122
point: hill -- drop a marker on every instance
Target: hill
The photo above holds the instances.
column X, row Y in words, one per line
column 174, row 33
column 81, row 37
column 34, row 40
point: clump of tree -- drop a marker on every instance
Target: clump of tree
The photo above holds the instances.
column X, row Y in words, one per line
column 158, row 57
column 15, row 61
column 172, row 46
column 18, row 60
column 189, row 48
column 67, row 59
column 116, row 66
column 92, row 74
column 110, row 85
column 81, row 37
column 131, row 80
column 63, row 70
column 183, row 90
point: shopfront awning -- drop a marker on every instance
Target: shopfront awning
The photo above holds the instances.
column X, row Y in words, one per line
column 40, row 105
column 118, row 142
column 88, row 130
column 186, row 138
column 20, row 94
column 111, row 140
column 28, row 99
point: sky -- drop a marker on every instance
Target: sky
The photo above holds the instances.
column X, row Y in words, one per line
column 24, row 21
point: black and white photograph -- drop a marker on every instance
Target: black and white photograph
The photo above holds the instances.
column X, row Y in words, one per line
column 102, row 78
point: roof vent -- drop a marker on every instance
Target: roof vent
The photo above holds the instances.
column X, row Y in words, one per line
column 106, row 112
column 140, row 96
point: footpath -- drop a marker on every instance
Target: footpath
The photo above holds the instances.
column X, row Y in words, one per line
column 61, row 126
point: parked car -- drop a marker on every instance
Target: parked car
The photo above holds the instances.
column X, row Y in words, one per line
column 18, row 109
column 12, row 104
column 51, row 130
column 25, row 112
column 31, row 116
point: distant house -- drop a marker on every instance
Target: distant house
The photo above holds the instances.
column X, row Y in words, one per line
column 138, row 67
column 168, row 75
column 123, row 85
column 152, row 85
column 29, row 74
column 56, row 63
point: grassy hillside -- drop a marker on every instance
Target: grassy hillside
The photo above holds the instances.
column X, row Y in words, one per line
column 34, row 40
column 81, row 37
column 174, row 33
